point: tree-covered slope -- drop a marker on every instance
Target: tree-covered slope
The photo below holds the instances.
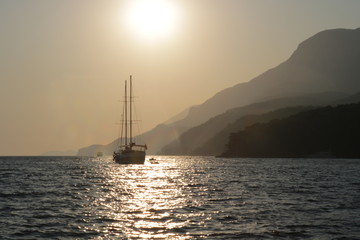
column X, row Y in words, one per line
column 200, row 140
column 334, row 130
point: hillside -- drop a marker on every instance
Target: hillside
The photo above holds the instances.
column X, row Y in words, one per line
column 331, row 130
column 326, row 62
column 193, row 141
column 217, row 144
column 155, row 139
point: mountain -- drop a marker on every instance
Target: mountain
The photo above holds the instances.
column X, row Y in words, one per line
column 155, row 139
column 326, row 62
column 217, row 144
column 195, row 140
column 178, row 116
column 355, row 98
column 330, row 131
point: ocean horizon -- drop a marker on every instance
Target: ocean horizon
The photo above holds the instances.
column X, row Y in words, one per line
column 179, row 198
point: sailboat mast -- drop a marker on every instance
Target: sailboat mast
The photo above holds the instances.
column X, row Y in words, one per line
column 125, row 114
column 130, row 99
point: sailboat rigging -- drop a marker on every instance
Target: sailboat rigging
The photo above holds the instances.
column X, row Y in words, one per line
column 129, row 152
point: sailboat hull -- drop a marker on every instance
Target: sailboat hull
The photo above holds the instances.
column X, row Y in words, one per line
column 130, row 157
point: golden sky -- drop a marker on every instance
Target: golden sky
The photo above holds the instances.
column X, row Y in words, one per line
column 63, row 62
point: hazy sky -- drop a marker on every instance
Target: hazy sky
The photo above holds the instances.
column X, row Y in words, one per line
column 63, row 62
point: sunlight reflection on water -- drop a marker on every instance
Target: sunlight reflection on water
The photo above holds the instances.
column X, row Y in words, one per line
column 179, row 198
column 141, row 199
column 185, row 198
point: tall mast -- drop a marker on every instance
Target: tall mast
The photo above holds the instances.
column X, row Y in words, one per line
column 125, row 114
column 131, row 109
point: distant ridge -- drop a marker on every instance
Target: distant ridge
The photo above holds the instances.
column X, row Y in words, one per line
column 324, row 132
column 199, row 140
column 355, row 98
column 326, row 62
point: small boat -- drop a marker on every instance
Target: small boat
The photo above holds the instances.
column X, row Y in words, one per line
column 153, row 161
column 128, row 151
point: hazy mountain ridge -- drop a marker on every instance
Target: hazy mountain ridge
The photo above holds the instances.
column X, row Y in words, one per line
column 355, row 98
column 193, row 139
column 326, row 62
column 217, row 144
column 333, row 131
column 152, row 138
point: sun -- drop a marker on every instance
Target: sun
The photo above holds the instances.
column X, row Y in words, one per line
column 152, row 19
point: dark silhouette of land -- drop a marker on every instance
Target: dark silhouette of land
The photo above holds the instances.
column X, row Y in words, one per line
column 210, row 137
column 323, row 132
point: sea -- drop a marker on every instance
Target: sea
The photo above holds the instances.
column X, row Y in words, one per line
column 179, row 197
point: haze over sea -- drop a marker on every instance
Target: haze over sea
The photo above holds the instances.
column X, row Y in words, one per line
column 179, row 198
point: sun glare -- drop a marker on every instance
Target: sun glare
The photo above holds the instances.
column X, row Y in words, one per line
column 152, row 19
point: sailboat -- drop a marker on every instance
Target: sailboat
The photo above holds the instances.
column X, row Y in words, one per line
column 128, row 151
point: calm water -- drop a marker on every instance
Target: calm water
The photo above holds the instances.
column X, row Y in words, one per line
column 179, row 198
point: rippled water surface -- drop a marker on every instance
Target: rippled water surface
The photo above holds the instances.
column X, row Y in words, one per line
column 179, row 198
